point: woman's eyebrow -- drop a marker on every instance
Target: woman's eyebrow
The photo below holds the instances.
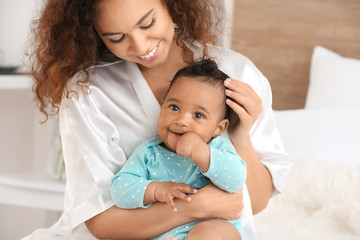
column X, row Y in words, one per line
column 139, row 22
column 144, row 17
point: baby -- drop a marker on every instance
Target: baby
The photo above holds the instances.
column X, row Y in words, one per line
column 188, row 153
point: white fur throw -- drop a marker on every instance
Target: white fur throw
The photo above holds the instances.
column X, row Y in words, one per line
column 320, row 201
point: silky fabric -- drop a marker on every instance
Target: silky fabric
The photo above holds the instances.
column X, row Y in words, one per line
column 103, row 120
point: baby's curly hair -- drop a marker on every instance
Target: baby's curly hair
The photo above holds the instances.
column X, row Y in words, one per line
column 64, row 42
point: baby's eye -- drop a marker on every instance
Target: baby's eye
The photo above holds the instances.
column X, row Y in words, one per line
column 174, row 107
column 198, row 115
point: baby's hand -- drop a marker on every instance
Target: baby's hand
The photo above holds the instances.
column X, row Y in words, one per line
column 167, row 191
column 186, row 144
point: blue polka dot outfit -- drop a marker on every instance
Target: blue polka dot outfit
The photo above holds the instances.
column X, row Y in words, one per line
column 151, row 162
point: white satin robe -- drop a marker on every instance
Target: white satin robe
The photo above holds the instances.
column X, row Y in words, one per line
column 99, row 130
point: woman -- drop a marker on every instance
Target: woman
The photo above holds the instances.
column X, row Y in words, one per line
column 106, row 65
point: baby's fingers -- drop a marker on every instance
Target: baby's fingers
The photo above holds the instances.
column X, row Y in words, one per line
column 175, row 194
column 183, row 187
column 181, row 195
column 170, row 202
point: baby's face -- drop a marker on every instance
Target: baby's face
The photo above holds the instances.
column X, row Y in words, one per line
column 190, row 105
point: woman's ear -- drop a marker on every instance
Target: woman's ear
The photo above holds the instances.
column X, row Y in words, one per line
column 221, row 127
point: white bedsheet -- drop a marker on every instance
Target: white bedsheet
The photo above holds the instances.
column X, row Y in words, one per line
column 321, row 198
column 320, row 201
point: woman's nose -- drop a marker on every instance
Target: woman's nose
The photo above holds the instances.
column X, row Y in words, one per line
column 139, row 44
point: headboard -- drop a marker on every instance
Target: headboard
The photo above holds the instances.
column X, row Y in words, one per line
column 279, row 37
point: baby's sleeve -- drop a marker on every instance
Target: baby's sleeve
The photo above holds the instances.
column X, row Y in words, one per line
column 128, row 186
column 227, row 170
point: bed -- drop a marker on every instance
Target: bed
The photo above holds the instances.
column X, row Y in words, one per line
column 310, row 52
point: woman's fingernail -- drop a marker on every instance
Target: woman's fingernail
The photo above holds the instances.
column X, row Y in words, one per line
column 227, row 92
column 227, row 81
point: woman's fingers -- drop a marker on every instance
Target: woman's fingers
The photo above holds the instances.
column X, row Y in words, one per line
column 242, row 94
column 241, row 87
column 239, row 110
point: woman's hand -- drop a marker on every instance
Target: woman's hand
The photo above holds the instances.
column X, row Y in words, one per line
column 209, row 201
column 246, row 106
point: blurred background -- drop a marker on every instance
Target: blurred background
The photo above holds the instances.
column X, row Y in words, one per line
column 277, row 35
column 31, row 192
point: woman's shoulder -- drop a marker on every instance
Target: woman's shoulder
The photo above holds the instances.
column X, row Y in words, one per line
column 96, row 75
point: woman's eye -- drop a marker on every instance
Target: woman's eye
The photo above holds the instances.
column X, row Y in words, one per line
column 118, row 40
column 174, row 108
column 149, row 25
column 144, row 28
column 198, row 115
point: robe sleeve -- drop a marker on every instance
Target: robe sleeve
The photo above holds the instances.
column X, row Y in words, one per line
column 91, row 154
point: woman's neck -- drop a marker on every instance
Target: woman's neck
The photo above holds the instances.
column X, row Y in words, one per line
column 174, row 59
column 160, row 76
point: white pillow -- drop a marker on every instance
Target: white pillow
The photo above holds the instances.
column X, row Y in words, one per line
column 331, row 135
column 334, row 80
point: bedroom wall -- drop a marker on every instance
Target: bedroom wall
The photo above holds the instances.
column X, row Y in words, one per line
column 15, row 119
column 15, row 16
column 279, row 36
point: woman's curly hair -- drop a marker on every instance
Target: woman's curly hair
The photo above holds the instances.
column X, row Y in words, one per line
column 64, row 42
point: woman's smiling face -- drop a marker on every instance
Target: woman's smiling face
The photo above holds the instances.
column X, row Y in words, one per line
column 139, row 31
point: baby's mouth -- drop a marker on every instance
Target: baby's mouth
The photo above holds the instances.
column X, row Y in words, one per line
column 177, row 133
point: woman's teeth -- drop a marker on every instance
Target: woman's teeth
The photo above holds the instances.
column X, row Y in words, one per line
column 150, row 54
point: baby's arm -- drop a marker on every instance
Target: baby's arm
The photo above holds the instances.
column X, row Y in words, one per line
column 227, row 170
column 220, row 162
column 166, row 192
column 132, row 188
column 129, row 184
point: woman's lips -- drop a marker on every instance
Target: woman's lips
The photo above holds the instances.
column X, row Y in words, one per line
column 151, row 55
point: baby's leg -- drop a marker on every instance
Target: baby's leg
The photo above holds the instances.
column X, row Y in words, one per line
column 213, row 229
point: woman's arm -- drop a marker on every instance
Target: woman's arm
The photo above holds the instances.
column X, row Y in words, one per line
column 247, row 107
column 116, row 223
column 259, row 180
